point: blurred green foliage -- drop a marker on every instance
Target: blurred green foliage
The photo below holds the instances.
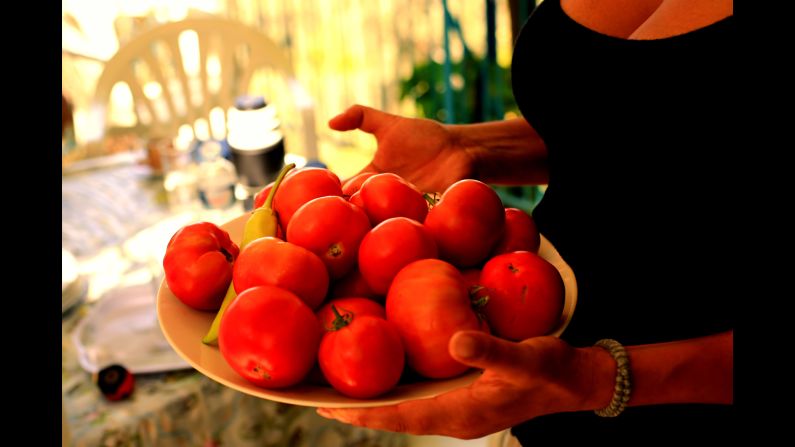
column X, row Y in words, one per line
column 471, row 91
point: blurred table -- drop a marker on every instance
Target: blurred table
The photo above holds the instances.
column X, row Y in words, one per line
column 116, row 223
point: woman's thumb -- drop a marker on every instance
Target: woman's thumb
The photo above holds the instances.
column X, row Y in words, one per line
column 360, row 117
column 484, row 351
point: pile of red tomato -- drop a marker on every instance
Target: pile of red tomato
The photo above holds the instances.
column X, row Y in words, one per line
column 370, row 279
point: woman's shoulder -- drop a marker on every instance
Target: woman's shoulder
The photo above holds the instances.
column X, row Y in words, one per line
column 646, row 19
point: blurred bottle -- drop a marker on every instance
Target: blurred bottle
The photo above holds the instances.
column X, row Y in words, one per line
column 256, row 144
column 67, row 127
column 180, row 178
column 217, row 177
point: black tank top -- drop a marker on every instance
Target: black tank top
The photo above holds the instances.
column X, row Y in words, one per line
column 642, row 194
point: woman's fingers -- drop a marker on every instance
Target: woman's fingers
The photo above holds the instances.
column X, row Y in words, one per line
column 360, row 117
column 442, row 415
column 417, row 417
column 484, row 351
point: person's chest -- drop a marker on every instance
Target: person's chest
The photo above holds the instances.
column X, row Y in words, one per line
column 646, row 19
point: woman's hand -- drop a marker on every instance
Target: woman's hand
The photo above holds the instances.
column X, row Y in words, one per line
column 421, row 151
column 520, row 381
column 433, row 156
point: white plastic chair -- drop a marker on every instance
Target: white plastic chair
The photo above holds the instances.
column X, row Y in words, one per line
column 229, row 53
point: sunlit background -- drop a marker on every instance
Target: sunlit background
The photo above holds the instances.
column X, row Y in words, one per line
column 342, row 52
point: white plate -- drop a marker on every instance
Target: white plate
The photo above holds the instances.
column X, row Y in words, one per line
column 123, row 329
column 185, row 327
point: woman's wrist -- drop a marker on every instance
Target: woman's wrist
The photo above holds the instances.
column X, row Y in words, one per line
column 508, row 152
column 598, row 378
column 695, row 370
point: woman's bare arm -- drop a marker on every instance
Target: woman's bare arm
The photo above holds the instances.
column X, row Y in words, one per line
column 545, row 375
column 504, row 152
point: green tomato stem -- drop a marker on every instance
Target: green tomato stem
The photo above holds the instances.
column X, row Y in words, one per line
column 340, row 321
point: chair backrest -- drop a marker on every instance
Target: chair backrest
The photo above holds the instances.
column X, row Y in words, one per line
column 226, row 55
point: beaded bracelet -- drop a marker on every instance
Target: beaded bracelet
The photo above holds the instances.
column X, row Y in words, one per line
column 623, row 388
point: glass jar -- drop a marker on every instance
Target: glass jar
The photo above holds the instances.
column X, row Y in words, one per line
column 217, row 178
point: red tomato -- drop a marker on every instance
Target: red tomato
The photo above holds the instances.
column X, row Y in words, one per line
column 428, row 303
column 526, row 295
column 389, row 195
column 353, row 284
column 363, row 359
column 391, row 245
column 471, row 277
column 478, row 295
column 354, row 183
column 301, row 186
column 349, row 308
column 198, row 265
column 262, row 195
column 269, row 337
column 521, row 233
column 356, row 199
column 332, row 228
column 270, row 261
column 466, row 222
